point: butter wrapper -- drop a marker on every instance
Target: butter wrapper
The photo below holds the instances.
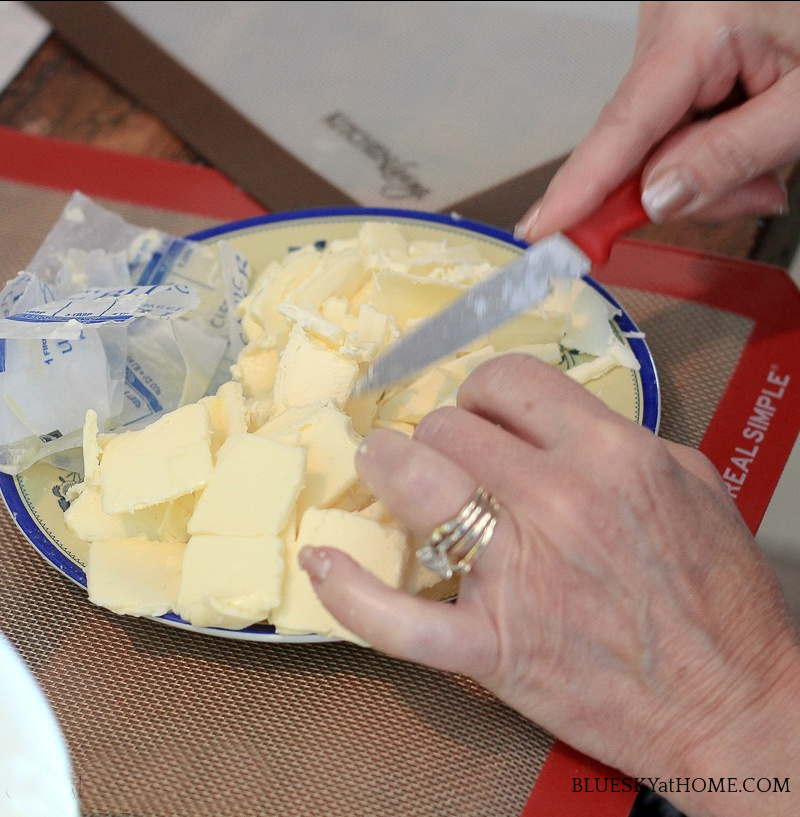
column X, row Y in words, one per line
column 127, row 321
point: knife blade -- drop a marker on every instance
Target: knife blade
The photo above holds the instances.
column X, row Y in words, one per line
column 520, row 285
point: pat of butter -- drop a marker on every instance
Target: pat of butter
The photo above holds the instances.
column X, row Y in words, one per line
column 255, row 368
column 230, row 581
column 410, row 297
column 380, row 549
column 158, row 463
column 437, row 387
column 340, row 273
column 314, row 324
column 309, row 371
column 326, row 433
column 255, row 484
column 86, row 518
column 592, row 369
column 134, row 577
column 227, row 412
column 259, row 309
column 91, row 449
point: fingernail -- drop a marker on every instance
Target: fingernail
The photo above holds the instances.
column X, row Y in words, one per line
column 669, row 194
column 315, row 562
column 525, row 225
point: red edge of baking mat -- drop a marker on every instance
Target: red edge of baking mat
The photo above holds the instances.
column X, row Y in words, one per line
column 764, row 293
column 166, row 185
column 755, row 425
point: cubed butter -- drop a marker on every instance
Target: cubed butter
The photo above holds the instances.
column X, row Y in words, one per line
column 230, row 582
column 326, row 433
column 134, row 577
column 91, row 449
column 158, row 463
column 227, row 413
column 381, row 549
column 86, row 518
column 254, row 486
column 310, row 371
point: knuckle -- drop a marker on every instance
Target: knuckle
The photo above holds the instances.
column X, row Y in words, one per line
column 500, row 375
column 730, row 156
column 437, row 423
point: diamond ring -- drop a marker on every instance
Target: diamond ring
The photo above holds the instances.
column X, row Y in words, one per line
column 455, row 544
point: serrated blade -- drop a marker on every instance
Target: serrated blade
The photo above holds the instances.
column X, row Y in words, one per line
column 520, row 285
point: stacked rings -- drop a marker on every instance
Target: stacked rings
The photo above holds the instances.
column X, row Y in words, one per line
column 456, row 543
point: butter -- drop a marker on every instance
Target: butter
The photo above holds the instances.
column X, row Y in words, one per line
column 252, row 489
column 91, row 449
column 227, row 413
column 86, row 518
column 255, row 368
column 314, row 324
column 326, row 433
column 134, row 577
column 341, row 274
column 158, row 463
column 380, row 549
column 230, row 582
column 436, row 387
column 309, row 371
column 408, row 298
column 259, row 309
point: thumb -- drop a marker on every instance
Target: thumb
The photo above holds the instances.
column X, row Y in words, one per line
column 441, row 635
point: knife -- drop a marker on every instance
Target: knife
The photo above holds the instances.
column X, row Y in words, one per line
column 520, row 285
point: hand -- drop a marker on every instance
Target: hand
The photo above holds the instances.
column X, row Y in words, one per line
column 622, row 604
column 688, row 59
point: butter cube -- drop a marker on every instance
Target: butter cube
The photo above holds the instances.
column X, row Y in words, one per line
column 259, row 309
column 158, row 463
column 310, row 371
column 340, row 274
column 255, row 367
column 411, row 297
column 252, row 490
column 436, row 387
column 134, row 577
column 227, row 413
column 314, row 324
column 230, row 581
column 91, row 449
column 378, row 548
column 326, row 433
column 86, row 518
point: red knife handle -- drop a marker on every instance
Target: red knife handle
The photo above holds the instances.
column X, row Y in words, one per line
column 621, row 212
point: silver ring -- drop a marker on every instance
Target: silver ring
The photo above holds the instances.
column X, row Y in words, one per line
column 456, row 543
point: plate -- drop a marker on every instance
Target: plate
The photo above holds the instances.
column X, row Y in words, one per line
column 35, row 768
column 37, row 498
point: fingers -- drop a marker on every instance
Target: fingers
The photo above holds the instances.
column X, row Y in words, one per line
column 718, row 167
column 726, row 162
column 446, row 636
column 765, row 196
column 651, row 100
column 531, row 399
column 417, row 484
column 422, row 488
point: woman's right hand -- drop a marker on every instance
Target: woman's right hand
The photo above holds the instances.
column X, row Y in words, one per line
column 689, row 58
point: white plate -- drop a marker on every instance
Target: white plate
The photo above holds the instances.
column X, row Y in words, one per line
column 37, row 498
column 35, row 768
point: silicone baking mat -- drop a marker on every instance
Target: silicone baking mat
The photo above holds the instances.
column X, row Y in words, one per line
column 165, row 723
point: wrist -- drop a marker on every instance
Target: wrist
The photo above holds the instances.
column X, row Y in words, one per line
column 747, row 764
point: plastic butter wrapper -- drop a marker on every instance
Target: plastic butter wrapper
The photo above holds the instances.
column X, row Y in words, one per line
column 127, row 321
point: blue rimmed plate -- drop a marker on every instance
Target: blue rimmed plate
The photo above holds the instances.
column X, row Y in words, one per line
column 37, row 498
